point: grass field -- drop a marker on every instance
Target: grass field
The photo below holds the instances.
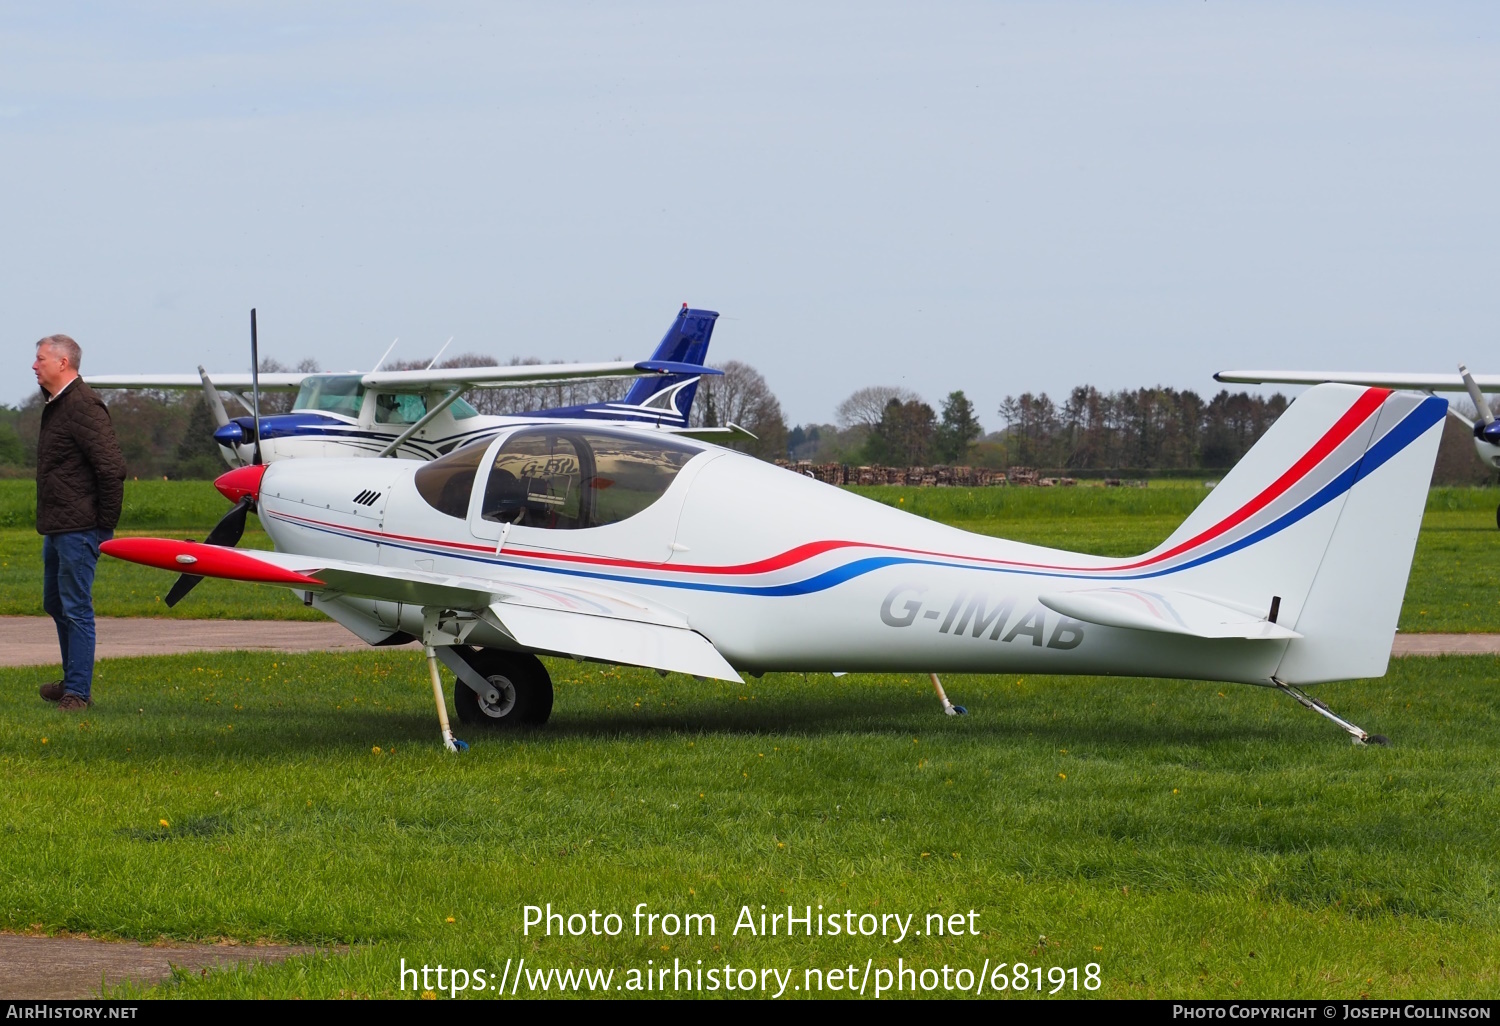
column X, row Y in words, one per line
column 1449, row 589
column 1191, row 839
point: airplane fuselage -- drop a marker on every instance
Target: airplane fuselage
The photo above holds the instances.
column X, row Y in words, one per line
column 780, row 572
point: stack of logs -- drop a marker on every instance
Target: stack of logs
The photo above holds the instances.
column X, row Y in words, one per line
column 932, row 477
column 936, row 477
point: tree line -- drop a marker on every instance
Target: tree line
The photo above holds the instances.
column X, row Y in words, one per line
column 1143, row 430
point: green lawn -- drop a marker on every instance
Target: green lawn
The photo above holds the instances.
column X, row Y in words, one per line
column 1194, row 840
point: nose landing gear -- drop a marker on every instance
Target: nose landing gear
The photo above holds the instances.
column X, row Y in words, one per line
column 949, row 708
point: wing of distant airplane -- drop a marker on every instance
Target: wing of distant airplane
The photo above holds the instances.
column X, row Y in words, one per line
column 585, row 622
column 1372, row 379
column 438, row 378
column 278, row 382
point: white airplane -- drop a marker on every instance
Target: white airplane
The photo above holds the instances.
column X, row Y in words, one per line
column 1486, row 430
column 633, row 547
column 420, row 414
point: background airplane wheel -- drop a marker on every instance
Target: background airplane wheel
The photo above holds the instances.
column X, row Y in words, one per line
column 525, row 690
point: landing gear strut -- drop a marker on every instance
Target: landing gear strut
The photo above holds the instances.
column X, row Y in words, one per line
column 450, row 742
column 948, row 707
column 1361, row 737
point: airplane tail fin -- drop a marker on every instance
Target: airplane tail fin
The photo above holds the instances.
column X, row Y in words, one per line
column 1316, row 526
column 686, row 341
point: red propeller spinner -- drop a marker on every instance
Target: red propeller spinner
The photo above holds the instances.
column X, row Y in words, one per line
column 241, row 482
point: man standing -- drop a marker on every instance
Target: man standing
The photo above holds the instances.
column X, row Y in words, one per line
column 80, row 486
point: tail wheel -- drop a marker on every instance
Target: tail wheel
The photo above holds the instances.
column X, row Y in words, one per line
column 520, row 695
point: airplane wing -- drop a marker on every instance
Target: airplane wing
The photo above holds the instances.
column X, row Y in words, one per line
column 525, row 374
column 277, row 382
column 438, row 378
column 1165, row 612
column 1417, row 382
column 589, row 623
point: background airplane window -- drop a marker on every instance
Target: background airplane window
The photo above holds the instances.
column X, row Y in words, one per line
column 462, row 410
column 573, row 479
column 534, row 482
column 332, row 393
column 447, row 482
column 399, row 409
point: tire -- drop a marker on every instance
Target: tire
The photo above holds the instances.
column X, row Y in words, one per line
column 524, row 685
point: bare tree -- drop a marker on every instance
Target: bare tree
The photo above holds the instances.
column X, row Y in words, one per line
column 741, row 396
column 866, row 407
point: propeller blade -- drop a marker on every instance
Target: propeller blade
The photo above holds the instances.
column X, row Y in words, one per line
column 184, row 584
column 227, row 532
column 211, row 396
column 231, row 526
column 255, row 383
column 1477, row 396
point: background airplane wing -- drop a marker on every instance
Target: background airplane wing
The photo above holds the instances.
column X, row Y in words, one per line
column 278, row 382
column 1417, row 382
column 525, row 374
column 586, row 622
column 418, row 380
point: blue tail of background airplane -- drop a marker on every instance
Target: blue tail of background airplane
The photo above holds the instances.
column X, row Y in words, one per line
column 666, row 400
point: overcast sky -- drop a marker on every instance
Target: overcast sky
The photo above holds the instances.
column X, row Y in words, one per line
column 987, row 196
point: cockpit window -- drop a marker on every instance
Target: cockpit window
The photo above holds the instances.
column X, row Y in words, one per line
column 567, row 479
column 331, row 393
column 402, row 408
column 535, row 482
column 447, row 482
column 462, row 410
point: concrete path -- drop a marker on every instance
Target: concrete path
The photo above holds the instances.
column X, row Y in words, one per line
column 61, row 968
column 1446, row 644
column 32, row 640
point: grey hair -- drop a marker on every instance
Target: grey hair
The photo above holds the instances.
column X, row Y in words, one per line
column 62, row 345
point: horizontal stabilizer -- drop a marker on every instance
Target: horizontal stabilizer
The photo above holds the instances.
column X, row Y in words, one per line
column 1166, row 612
column 717, row 435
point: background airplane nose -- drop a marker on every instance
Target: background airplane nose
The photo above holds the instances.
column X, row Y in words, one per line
column 243, row 482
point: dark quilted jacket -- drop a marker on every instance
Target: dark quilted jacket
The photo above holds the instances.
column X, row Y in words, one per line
column 80, row 471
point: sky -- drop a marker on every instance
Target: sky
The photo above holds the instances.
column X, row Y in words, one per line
column 994, row 197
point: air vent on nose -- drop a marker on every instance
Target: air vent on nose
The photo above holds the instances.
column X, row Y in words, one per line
column 366, row 497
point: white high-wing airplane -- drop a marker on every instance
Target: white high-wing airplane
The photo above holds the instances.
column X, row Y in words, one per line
column 420, row 414
column 1486, row 430
column 633, row 547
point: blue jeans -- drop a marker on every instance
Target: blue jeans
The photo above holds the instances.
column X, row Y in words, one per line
column 68, row 561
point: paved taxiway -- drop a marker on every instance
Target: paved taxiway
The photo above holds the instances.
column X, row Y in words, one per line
column 32, row 640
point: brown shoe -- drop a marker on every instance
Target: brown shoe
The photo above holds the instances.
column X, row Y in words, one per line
column 72, row 703
column 52, row 692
